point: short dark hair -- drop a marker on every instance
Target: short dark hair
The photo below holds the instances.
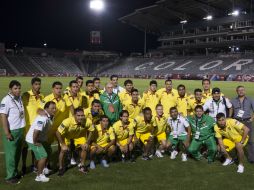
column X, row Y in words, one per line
column 134, row 90
column 168, row 80
column 95, row 101
column 153, row 82
column 199, row 107
column 56, row 83
column 180, row 86
column 14, row 83
column 158, row 105
column 79, row 78
column 96, row 78
column 35, row 79
column 240, row 86
column 89, row 82
column 48, row 104
column 197, row 90
column 208, row 80
column 79, row 109
column 104, row 117
column 220, row 115
column 128, row 82
column 172, row 108
column 72, row 82
column 123, row 112
column 146, row 109
column 113, row 76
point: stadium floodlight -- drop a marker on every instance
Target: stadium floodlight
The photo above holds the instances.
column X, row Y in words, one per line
column 183, row 21
column 234, row 13
column 45, row 44
column 97, row 5
column 208, row 17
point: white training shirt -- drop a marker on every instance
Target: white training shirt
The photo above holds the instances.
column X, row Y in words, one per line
column 14, row 109
column 178, row 126
column 41, row 123
column 215, row 108
column 118, row 89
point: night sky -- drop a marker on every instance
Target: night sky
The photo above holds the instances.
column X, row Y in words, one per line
column 66, row 24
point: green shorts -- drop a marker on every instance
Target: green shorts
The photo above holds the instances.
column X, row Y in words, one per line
column 40, row 152
column 176, row 141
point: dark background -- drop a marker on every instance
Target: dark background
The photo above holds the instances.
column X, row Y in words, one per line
column 66, row 24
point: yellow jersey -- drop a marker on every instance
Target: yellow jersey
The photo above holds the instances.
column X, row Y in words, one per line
column 161, row 124
column 233, row 130
column 182, row 104
column 193, row 103
column 69, row 128
column 168, row 100
column 124, row 96
column 151, row 100
column 142, row 126
column 31, row 104
column 123, row 132
column 134, row 109
column 89, row 99
column 103, row 137
column 74, row 101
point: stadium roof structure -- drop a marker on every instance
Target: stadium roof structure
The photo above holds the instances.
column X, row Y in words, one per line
column 164, row 14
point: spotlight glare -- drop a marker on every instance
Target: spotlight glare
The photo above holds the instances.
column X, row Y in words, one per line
column 183, row 21
column 97, row 5
column 208, row 17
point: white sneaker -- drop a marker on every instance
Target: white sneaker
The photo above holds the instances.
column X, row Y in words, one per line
column 92, row 165
column 227, row 162
column 173, row 155
column 104, row 163
column 73, row 162
column 240, row 168
column 46, row 171
column 158, row 154
column 41, row 178
column 184, row 157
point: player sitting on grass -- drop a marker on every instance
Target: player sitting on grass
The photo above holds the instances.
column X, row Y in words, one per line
column 180, row 133
column 36, row 139
column 103, row 145
column 76, row 128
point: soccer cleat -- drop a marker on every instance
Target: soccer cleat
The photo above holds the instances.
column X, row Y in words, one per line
column 13, row 181
column 92, row 165
column 228, row 162
column 83, row 169
column 73, row 162
column 104, row 163
column 34, row 169
column 173, row 155
column 42, row 178
column 240, row 168
column 184, row 157
column 158, row 154
column 123, row 158
column 46, row 171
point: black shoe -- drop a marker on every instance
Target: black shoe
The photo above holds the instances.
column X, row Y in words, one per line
column 83, row 169
column 13, row 181
column 61, row 172
column 132, row 159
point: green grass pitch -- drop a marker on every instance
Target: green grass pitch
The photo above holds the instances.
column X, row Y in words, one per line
column 155, row 174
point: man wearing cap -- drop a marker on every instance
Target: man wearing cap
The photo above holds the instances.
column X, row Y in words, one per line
column 243, row 108
column 218, row 104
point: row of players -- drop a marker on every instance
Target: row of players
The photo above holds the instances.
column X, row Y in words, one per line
column 112, row 101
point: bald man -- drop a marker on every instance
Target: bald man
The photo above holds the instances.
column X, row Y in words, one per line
column 110, row 103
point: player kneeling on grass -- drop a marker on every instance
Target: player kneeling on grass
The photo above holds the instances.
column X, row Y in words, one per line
column 160, row 131
column 180, row 133
column 103, row 144
column 76, row 127
column 124, row 131
column 145, row 125
column 36, row 139
column 202, row 129
column 231, row 134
